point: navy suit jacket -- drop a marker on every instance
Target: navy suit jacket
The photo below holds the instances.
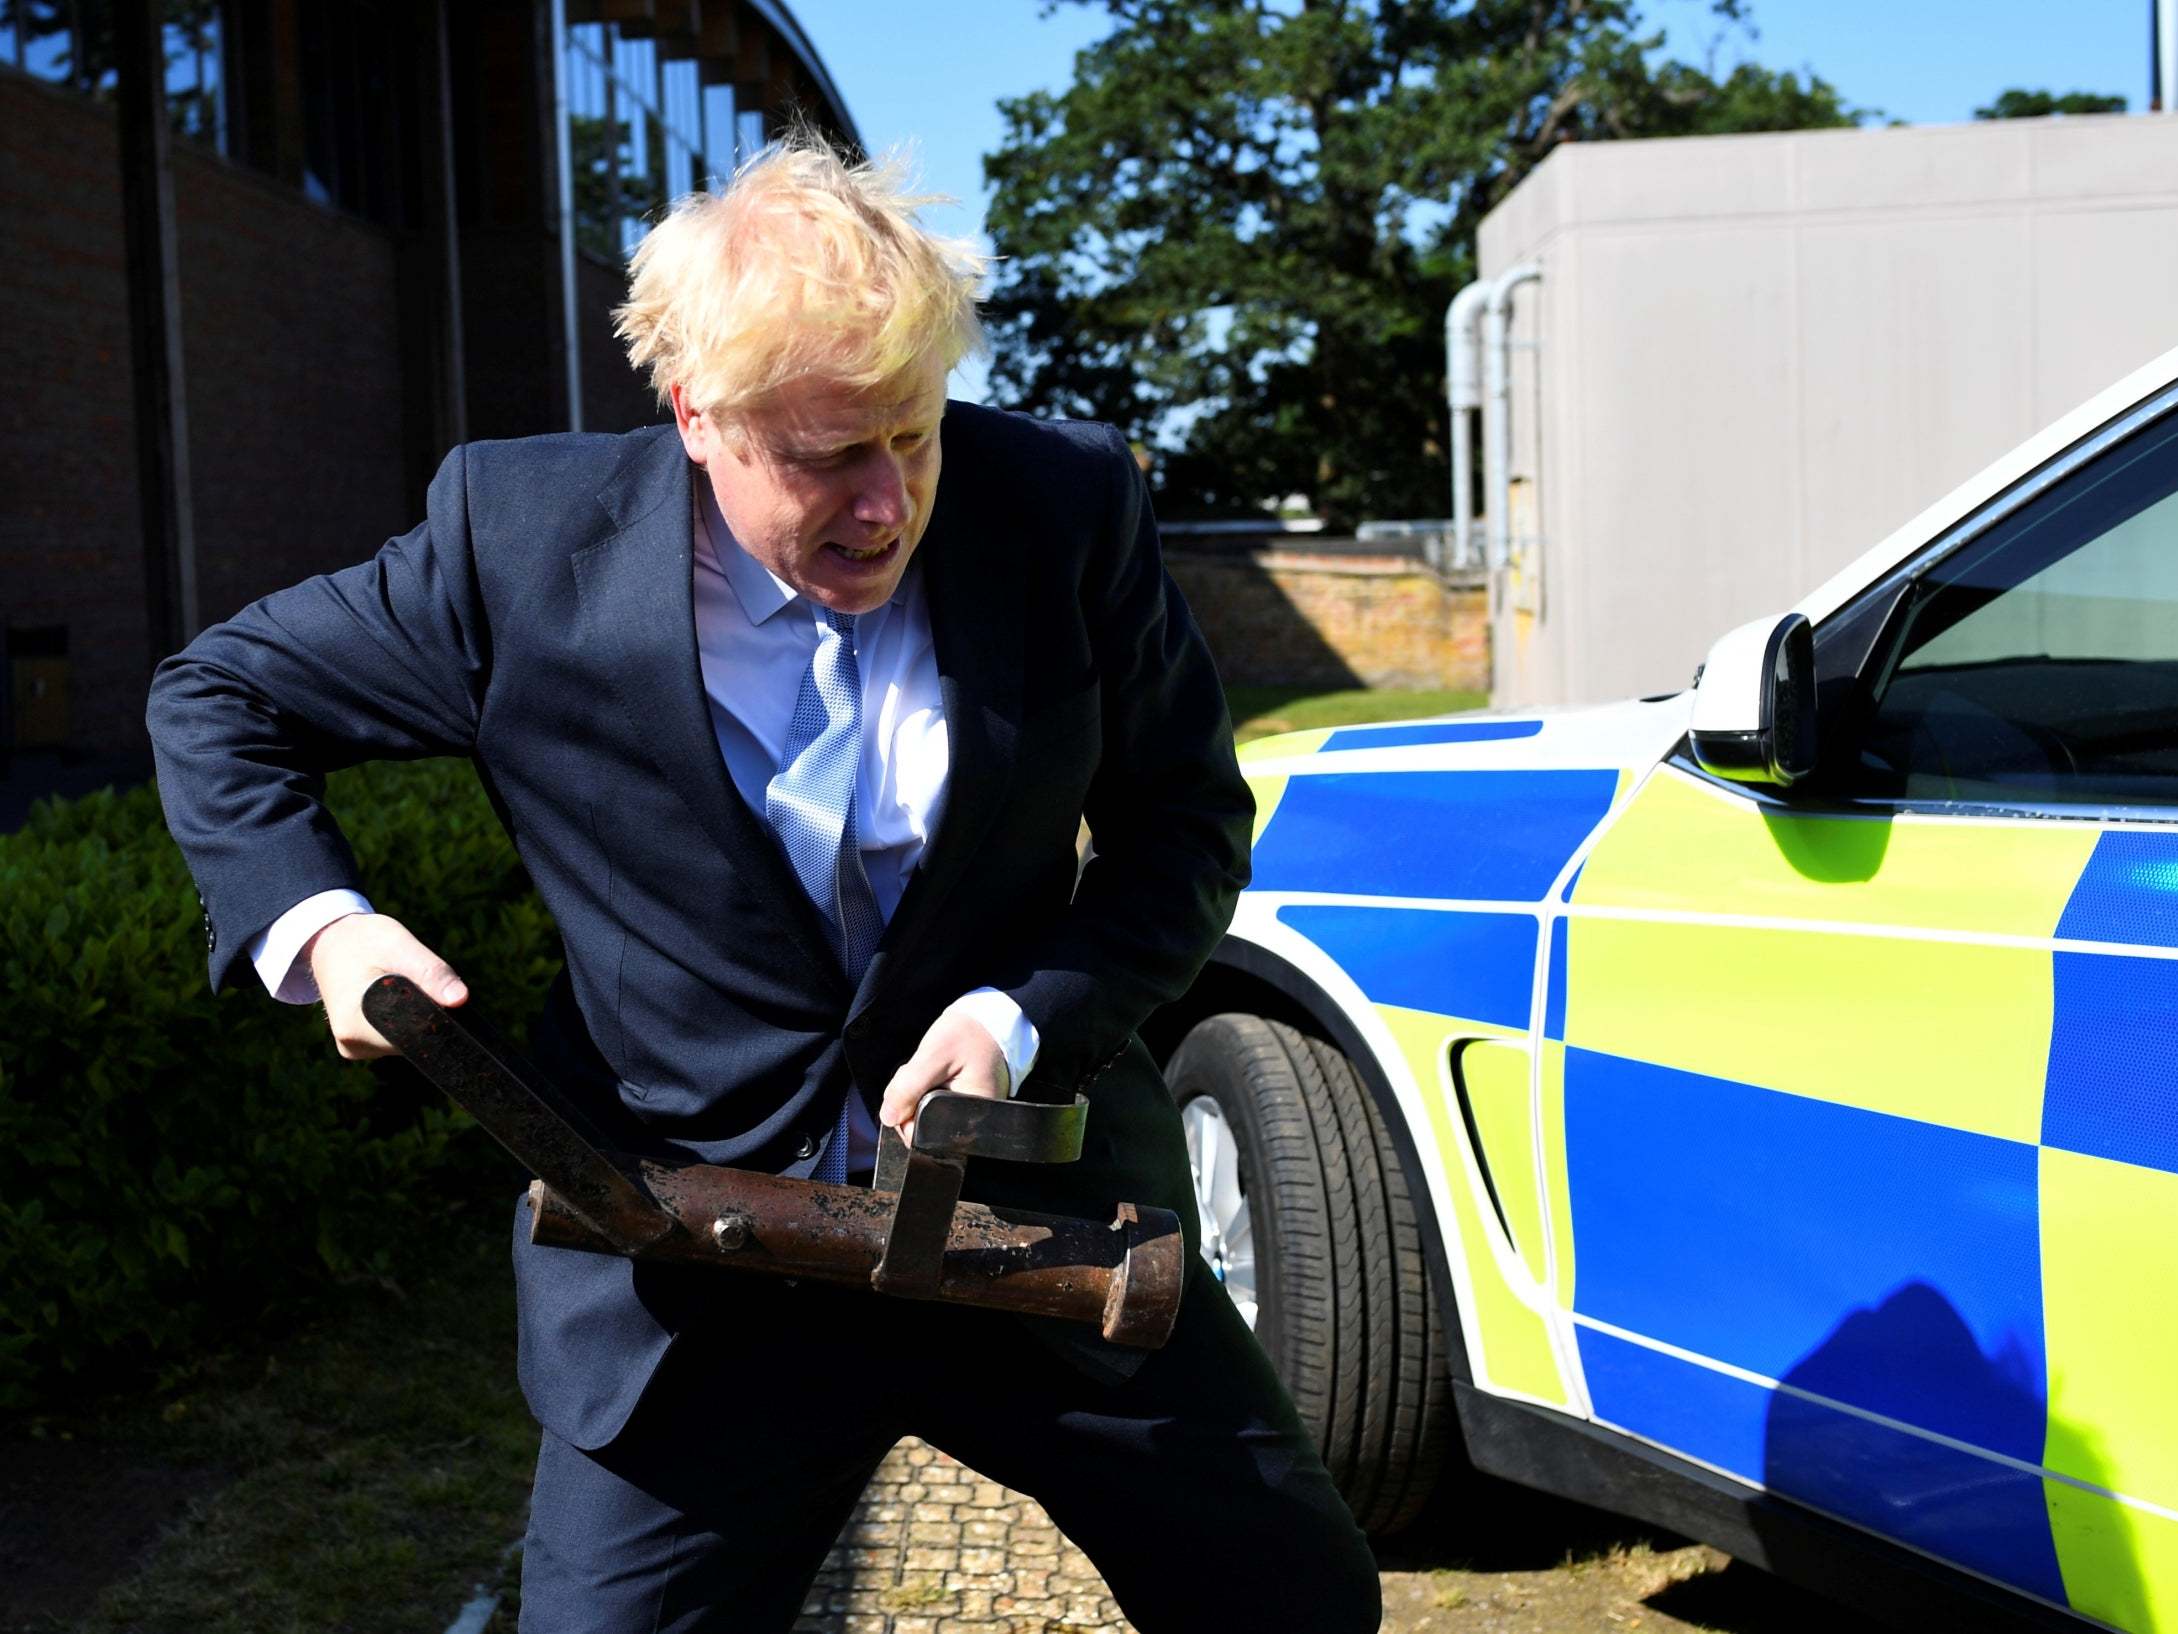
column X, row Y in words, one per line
column 541, row 622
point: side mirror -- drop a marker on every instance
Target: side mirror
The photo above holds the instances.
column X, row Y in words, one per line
column 1754, row 703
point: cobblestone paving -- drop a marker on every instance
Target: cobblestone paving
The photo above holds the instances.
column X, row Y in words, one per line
column 936, row 1549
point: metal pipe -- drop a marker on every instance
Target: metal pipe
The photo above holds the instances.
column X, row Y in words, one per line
column 454, row 376
column 1463, row 394
column 1123, row 1275
column 571, row 335
column 2166, row 56
column 1497, row 407
column 152, row 266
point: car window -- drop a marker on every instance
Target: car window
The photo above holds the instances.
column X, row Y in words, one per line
column 2039, row 663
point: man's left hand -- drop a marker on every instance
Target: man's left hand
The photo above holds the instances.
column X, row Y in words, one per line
column 956, row 1054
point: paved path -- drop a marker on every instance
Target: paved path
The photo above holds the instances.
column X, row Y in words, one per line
column 936, row 1549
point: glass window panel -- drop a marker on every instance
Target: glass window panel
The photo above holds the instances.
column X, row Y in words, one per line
column 49, row 45
column 642, row 131
column 635, row 148
column 370, row 133
column 634, row 61
column 718, row 131
column 642, row 176
column 181, row 81
column 596, row 104
column 679, row 177
column 2041, row 662
column 94, row 67
column 590, row 143
column 594, row 142
column 683, row 113
column 321, row 149
column 194, row 106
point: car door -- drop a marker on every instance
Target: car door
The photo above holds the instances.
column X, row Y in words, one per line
column 1869, row 1100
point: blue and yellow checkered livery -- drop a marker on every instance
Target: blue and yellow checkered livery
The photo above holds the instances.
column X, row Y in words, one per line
column 1836, row 1153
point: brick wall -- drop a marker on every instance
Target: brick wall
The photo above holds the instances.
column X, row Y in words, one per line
column 69, row 541
column 291, row 352
column 1294, row 618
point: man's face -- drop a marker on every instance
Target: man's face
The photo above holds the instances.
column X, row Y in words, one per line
column 827, row 486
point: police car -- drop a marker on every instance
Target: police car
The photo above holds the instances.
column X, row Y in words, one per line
column 1754, row 1110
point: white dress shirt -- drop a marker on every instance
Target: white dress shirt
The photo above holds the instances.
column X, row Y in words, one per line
column 754, row 640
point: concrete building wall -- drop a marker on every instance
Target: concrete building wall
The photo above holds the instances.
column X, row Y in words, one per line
column 1756, row 356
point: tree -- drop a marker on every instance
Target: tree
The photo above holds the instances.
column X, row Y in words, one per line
column 1235, row 233
column 2018, row 104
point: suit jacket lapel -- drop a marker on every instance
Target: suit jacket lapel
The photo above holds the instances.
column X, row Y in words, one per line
column 972, row 585
column 637, row 590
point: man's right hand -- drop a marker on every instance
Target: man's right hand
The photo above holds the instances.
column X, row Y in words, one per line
column 354, row 951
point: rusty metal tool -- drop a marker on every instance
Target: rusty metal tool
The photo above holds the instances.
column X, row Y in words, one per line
column 926, row 1177
column 908, row 1235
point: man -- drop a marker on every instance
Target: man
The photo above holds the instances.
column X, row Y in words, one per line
column 796, row 754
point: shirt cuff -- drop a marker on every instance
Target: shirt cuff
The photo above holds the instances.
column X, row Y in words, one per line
column 276, row 950
column 997, row 1014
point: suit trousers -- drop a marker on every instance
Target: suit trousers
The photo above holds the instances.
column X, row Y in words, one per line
column 1191, row 1485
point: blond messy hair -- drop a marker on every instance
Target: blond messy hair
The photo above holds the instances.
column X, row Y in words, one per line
column 806, row 265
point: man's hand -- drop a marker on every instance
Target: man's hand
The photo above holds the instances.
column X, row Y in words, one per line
column 956, row 1054
column 354, row 951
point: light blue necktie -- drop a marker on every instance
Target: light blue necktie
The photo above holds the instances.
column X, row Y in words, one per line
column 810, row 804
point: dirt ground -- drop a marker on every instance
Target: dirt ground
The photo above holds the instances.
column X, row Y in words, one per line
column 1507, row 1561
column 72, row 1523
column 1497, row 1560
column 1634, row 1587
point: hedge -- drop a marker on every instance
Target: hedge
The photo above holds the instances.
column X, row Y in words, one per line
column 171, row 1164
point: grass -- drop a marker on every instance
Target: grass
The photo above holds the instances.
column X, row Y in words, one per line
column 380, row 1462
column 1258, row 712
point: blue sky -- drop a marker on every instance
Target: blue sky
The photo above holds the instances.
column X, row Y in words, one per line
column 936, row 81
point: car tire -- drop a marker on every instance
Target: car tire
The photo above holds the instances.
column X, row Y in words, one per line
column 1308, row 1220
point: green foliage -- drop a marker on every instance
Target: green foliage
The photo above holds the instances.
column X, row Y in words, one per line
column 2018, row 104
column 171, row 1162
column 1236, row 232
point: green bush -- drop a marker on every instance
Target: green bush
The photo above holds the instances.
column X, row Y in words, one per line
column 172, row 1164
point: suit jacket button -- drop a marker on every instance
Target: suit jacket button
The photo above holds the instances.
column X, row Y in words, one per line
column 807, row 1149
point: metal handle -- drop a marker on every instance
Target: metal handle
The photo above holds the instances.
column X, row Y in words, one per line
column 466, row 1057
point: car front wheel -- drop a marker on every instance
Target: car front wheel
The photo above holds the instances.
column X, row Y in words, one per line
column 1308, row 1222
